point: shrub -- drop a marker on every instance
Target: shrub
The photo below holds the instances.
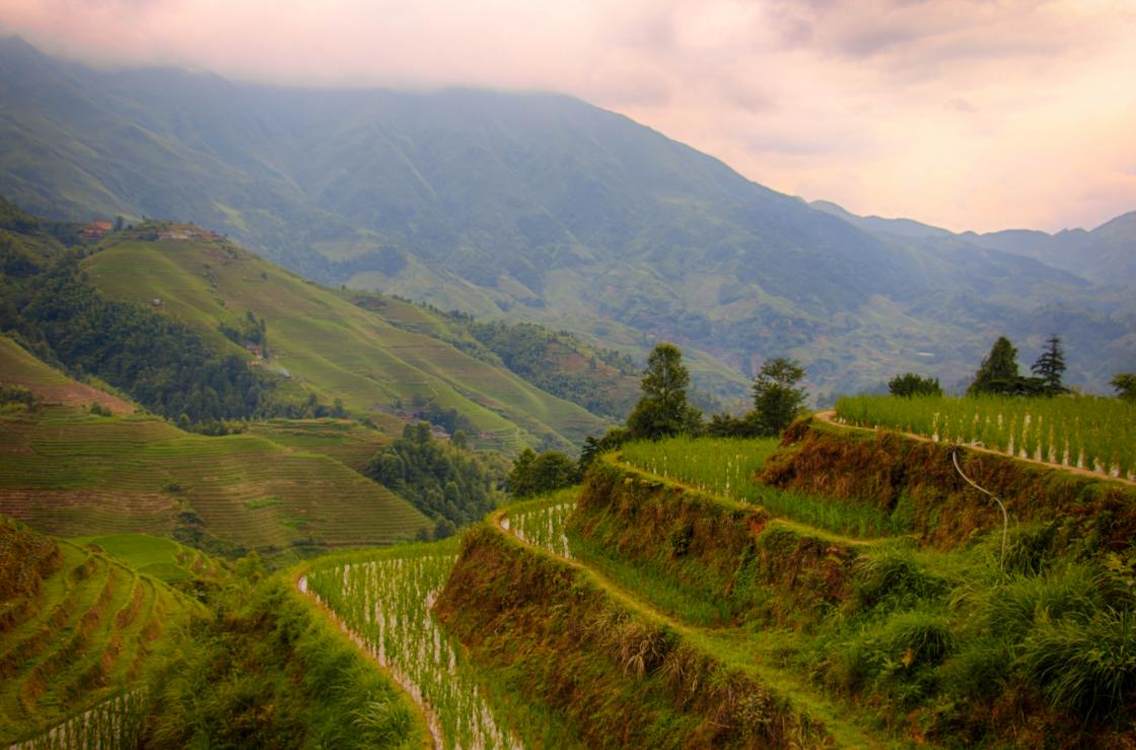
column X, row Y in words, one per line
column 1012, row 610
column 1087, row 668
column 891, row 577
column 918, row 638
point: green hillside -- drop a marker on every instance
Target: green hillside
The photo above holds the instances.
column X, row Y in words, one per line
column 160, row 557
column 346, row 441
column 21, row 369
column 326, row 344
column 537, row 207
column 70, row 473
column 76, row 627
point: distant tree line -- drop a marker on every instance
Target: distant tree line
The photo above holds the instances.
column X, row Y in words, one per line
column 533, row 352
column 664, row 410
column 1000, row 375
column 451, row 485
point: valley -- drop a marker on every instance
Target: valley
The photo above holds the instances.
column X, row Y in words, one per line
column 543, row 208
column 382, row 378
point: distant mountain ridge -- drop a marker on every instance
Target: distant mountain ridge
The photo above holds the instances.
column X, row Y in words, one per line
column 1105, row 255
column 533, row 207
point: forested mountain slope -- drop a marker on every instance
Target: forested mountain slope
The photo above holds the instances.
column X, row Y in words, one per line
column 528, row 206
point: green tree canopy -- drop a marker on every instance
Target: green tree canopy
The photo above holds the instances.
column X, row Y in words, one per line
column 443, row 481
column 1125, row 385
column 911, row 384
column 534, row 474
column 594, row 447
column 777, row 399
column 663, row 409
column 998, row 373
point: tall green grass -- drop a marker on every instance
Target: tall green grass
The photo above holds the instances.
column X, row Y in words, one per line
column 1087, row 432
column 728, row 467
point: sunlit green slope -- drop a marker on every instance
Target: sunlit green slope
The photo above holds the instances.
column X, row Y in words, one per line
column 66, row 471
column 322, row 340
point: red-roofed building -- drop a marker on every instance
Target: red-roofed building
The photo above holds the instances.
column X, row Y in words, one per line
column 95, row 231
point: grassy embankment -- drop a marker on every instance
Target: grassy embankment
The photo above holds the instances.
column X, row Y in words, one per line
column 270, row 670
column 935, row 636
column 329, row 345
column 625, row 672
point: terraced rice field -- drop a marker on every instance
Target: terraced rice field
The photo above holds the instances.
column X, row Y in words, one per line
column 728, row 467
column 70, row 473
column 81, row 633
column 384, row 600
column 346, row 441
column 543, row 522
column 114, row 723
column 158, row 557
column 1085, row 432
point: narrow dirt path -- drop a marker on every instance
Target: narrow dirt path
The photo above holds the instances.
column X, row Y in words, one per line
column 723, row 644
column 430, row 720
column 829, row 417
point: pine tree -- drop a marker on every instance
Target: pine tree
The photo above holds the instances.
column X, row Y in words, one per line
column 1050, row 366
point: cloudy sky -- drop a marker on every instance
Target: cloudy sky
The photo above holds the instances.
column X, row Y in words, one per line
column 970, row 114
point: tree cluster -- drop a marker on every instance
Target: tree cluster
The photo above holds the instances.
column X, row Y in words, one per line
column 1125, row 385
column 911, row 384
column 1000, row 374
column 443, row 481
column 538, row 354
column 535, row 474
column 664, row 410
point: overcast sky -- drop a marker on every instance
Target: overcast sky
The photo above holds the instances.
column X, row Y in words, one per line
column 969, row 114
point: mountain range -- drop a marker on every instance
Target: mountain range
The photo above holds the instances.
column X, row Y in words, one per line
column 533, row 206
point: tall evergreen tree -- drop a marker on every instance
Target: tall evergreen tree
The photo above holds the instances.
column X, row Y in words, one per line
column 1050, row 366
column 663, row 410
column 999, row 371
column 777, row 399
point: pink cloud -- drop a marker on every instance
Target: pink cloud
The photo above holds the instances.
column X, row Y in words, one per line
column 966, row 113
